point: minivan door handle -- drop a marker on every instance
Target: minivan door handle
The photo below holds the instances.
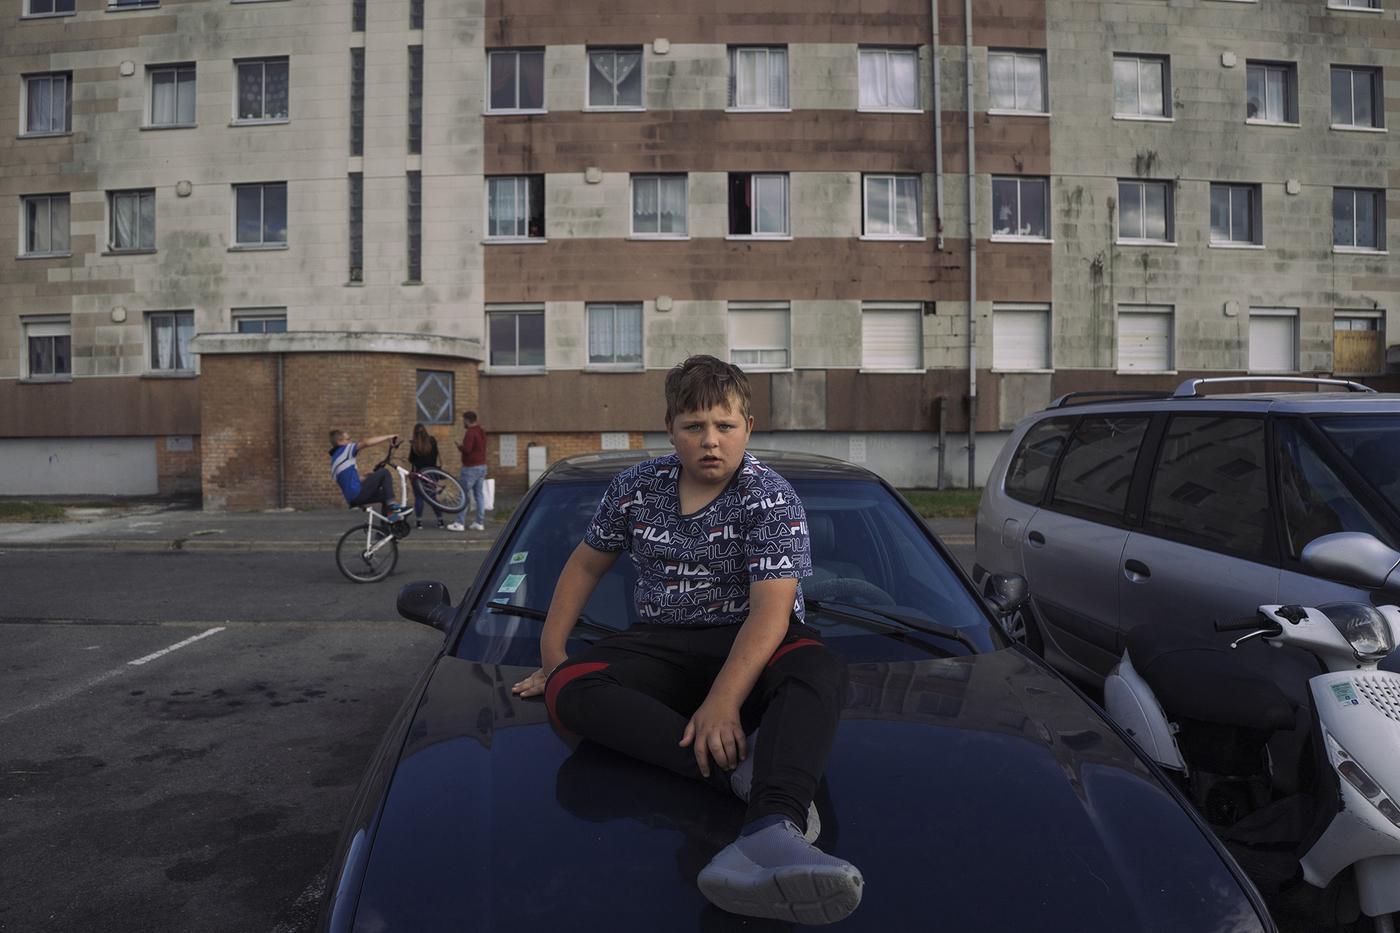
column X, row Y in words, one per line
column 1137, row 571
column 1036, row 538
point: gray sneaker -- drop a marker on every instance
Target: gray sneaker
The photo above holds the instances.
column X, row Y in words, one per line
column 741, row 782
column 777, row 874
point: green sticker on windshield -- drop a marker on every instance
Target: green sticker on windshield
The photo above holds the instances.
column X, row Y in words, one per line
column 1345, row 693
column 519, row 557
column 511, row 583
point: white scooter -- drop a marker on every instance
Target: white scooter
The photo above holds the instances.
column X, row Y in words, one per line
column 1355, row 716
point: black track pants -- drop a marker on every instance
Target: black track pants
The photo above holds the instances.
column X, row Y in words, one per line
column 635, row 692
column 376, row 487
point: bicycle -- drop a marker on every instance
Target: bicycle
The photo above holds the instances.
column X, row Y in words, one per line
column 368, row 553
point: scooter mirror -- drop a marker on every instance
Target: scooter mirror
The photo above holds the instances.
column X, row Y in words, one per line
column 1353, row 557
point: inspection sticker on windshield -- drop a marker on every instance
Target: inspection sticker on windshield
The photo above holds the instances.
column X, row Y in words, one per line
column 1345, row 692
column 511, row 583
column 519, row 557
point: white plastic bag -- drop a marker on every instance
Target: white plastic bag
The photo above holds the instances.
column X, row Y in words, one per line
column 488, row 494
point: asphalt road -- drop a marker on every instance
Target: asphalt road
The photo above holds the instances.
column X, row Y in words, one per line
column 180, row 732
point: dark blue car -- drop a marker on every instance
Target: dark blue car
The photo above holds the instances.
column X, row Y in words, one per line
column 975, row 787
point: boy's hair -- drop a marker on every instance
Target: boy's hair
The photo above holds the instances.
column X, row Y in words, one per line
column 335, row 437
column 703, row 382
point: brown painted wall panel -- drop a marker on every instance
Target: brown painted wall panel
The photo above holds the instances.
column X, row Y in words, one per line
column 1006, row 24
column 1013, row 271
column 857, row 401
column 123, row 406
column 588, row 269
column 711, row 141
column 547, row 22
column 1005, row 145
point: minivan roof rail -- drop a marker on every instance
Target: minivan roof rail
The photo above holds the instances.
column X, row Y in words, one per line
column 1188, row 389
column 1072, row 397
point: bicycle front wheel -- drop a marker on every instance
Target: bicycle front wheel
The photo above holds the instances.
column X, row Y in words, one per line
column 366, row 559
column 442, row 491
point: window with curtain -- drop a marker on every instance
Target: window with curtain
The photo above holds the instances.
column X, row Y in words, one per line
column 170, row 341
column 889, row 79
column 614, row 78
column 172, row 95
column 1016, row 81
column 659, row 205
column 48, row 103
column 264, row 89
column 1141, row 86
column 758, row 78
column 515, row 207
column 892, row 206
column 45, row 224
column 1358, row 218
column 515, row 337
column 1021, row 207
column 132, row 216
column 759, row 336
column 615, row 335
column 758, row 204
column 260, row 214
column 516, row 80
column 48, row 342
column 1272, row 92
column 1357, row 97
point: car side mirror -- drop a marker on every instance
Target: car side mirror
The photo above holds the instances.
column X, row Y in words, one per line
column 1008, row 592
column 1353, row 557
column 427, row 602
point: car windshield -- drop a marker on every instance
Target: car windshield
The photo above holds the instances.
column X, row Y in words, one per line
column 867, row 553
column 1372, row 444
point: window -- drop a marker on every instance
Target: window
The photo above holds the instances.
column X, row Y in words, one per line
column 132, row 216
column 1098, row 464
column 1031, row 464
column 614, row 78
column 357, row 226
column 49, row 7
column 434, row 397
column 1357, row 98
column 1141, row 86
column 889, row 79
column 758, row 78
column 1273, row 92
column 264, row 88
column 260, row 214
column 414, row 226
column 1016, row 81
column 1358, row 342
column 415, row 99
column 1355, row 4
column 415, row 14
column 615, row 335
column 48, row 104
column 891, row 336
column 1210, row 489
column 1145, row 211
column 170, row 341
column 1145, row 338
column 1358, row 219
column 45, row 224
column 49, row 343
column 1313, row 500
column 357, row 15
column 260, row 320
column 357, row 102
column 758, row 335
column 659, row 205
column 130, row 4
column 1234, row 215
column 516, row 337
column 1020, row 336
column 1021, row 207
column 517, row 81
column 758, row 205
column 515, row 207
column 1273, row 340
column 172, row 95
column 892, row 206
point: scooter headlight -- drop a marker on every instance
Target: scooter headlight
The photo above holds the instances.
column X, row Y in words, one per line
column 1357, row 777
column 1364, row 627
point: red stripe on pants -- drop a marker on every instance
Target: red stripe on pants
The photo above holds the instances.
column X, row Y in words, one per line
column 562, row 677
column 791, row 646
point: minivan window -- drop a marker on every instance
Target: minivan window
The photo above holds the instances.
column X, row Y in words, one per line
column 1030, row 466
column 1210, row 488
column 1371, row 444
column 1098, row 464
column 1313, row 499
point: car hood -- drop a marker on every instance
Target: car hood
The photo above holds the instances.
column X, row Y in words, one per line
column 977, row 793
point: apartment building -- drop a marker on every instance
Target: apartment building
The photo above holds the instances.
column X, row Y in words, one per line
column 240, row 223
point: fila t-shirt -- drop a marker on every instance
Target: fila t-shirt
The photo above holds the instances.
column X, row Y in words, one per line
column 696, row 569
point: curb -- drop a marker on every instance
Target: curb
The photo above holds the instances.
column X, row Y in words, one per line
column 181, row 544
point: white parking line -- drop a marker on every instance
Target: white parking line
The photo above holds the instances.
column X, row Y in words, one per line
column 62, row 695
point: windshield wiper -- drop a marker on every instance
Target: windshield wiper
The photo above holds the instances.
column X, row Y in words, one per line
column 893, row 622
column 530, row 612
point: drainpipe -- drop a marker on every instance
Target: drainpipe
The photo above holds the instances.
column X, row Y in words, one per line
column 281, row 453
column 937, row 132
column 971, row 261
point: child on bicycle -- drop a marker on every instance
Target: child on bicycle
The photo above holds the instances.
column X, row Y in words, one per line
column 719, row 542
column 376, row 487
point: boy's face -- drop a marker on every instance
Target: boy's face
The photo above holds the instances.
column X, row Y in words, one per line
column 711, row 442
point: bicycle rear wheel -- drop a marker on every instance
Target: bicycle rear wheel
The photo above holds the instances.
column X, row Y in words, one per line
column 442, row 491
column 366, row 564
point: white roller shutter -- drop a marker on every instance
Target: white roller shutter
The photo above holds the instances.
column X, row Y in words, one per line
column 1145, row 339
column 1273, row 341
column 1021, row 337
column 891, row 338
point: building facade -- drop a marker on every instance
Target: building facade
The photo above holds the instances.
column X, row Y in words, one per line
column 240, row 224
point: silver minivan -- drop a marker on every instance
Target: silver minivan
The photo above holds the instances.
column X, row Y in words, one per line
column 1182, row 508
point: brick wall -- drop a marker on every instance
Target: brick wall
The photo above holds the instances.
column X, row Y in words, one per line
column 178, row 472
